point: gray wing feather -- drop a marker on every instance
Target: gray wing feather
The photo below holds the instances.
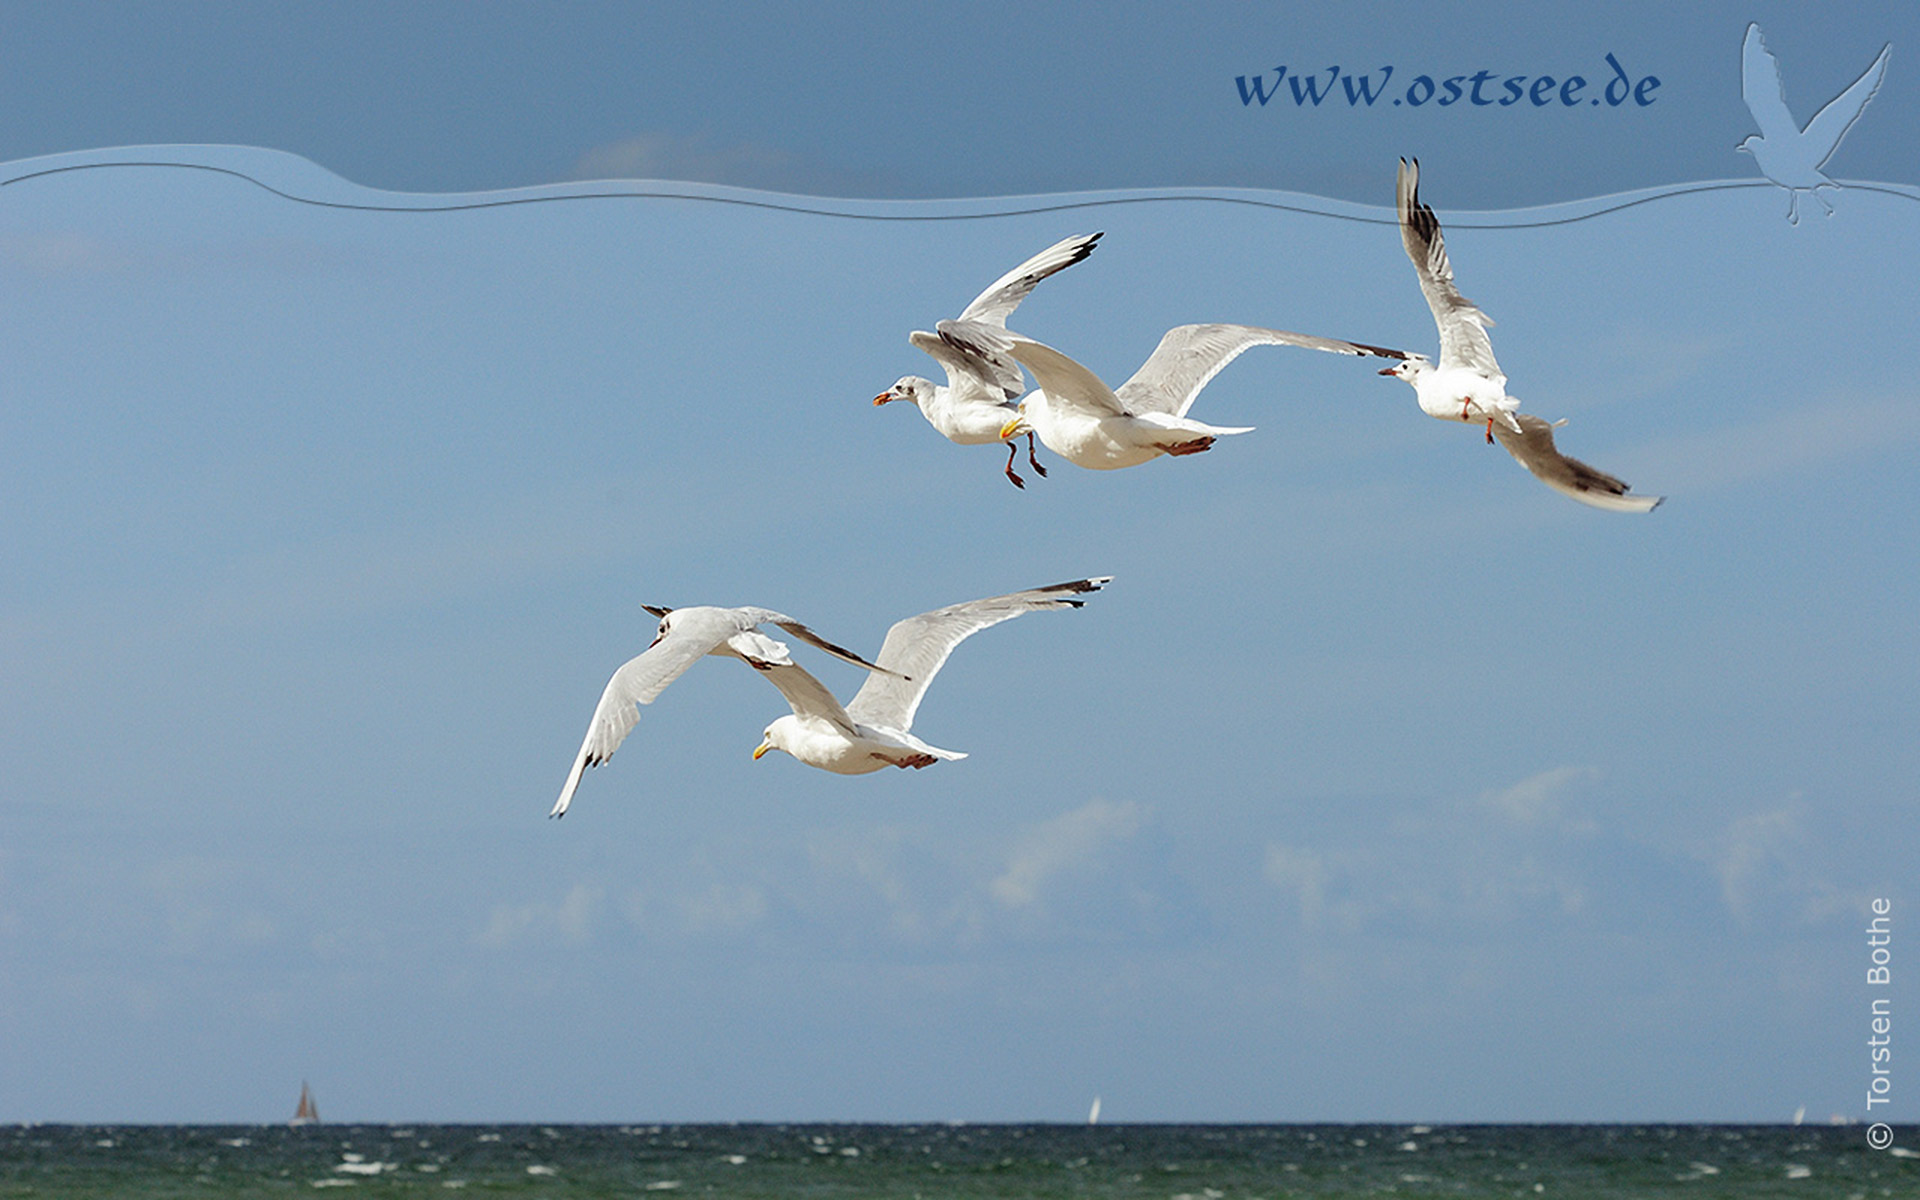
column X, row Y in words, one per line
column 807, row 696
column 1189, row 356
column 971, row 335
column 918, row 647
column 1533, row 447
column 1004, row 294
column 819, row 643
column 1065, row 381
column 968, row 371
column 1463, row 327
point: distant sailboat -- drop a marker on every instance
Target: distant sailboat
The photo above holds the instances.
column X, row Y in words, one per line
column 1093, row 1114
column 307, row 1113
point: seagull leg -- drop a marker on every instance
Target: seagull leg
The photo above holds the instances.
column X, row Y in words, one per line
column 1017, row 481
column 1489, row 431
column 1193, row 447
column 1466, row 407
column 1030, row 458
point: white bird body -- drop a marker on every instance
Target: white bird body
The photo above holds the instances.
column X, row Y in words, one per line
column 975, row 402
column 1460, row 393
column 1091, row 425
column 1468, row 384
column 1787, row 154
column 1109, row 441
column 871, row 732
column 819, row 742
column 967, row 410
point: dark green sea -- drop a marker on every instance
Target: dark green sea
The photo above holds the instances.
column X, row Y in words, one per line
column 1165, row 1162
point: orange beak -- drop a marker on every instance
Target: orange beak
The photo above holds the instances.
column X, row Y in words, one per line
column 883, row 397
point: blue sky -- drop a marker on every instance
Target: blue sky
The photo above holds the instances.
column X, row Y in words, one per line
column 1382, row 783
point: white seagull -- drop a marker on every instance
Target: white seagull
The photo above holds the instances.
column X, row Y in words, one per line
column 1091, row 425
column 981, row 379
column 1787, row 154
column 871, row 732
column 1468, row 384
column 685, row 635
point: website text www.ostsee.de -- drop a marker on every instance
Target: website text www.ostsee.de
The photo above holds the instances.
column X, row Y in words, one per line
column 1614, row 87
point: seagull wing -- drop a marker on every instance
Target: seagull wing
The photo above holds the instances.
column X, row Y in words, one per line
column 1760, row 86
column 695, row 632
column 974, row 334
column 1831, row 123
column 970, row 373
column 1463, row 327
column 1004, row 294
column 1066, row 382
column 1533, row 447
column 918, row 647
column 1189, row 356
column 807, row 696
column 811, row 638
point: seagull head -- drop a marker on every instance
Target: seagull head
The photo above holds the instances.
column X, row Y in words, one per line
column 1410, row 368
column 1748, row 143
column 907, row 387
column 774, row 737
column 1017, row 423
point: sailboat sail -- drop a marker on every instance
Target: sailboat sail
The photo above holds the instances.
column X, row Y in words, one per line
column 307, row 1113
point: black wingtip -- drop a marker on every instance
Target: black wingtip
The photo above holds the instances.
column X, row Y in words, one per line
column 1093, row 584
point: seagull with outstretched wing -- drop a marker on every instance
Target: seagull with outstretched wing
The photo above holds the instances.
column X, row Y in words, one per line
column 981, row 379
column 1091, row 425
column 1467, row 384
column 872, row 731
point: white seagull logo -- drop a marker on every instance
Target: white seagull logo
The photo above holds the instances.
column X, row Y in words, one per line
column 1789, row 155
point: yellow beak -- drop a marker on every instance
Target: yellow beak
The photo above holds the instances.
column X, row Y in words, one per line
column 1010, row 428
column 762, row 748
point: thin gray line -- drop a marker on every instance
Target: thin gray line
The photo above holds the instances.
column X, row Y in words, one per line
column 1457, row 221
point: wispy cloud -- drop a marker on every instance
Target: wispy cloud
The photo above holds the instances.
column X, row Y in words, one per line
column 1510, row 854
column 1067, row 843
column 570, row 919
column 1769, row 864
column 1536, row 800
column 723, row 907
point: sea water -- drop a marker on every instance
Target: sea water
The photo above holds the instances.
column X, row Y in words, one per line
column 1167, row 1162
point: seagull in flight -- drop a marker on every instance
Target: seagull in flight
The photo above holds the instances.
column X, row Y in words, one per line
column 1468, row 384
column 973, row 406
column 1787, row 154
column 871, row 731
column 685, row 635
column 1091, row 425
